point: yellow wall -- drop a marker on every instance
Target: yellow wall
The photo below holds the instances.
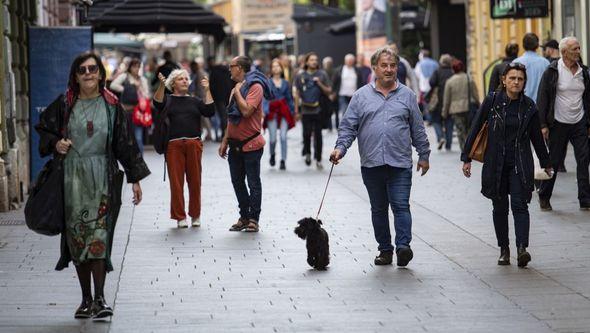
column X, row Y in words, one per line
column 486, row 38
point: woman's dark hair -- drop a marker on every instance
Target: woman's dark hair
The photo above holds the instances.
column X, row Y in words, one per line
column 133, row 62
column 75, row 86
column 513, row 66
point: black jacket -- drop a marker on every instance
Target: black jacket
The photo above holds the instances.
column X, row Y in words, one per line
column 493, row 110
column 337, row 79
column 123, row 149
column 548, row 90
column 439, row 79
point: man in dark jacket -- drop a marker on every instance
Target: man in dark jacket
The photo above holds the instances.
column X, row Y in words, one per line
column 167, row 68
column 437, row 86
column 345, row 81
column 511, row 52
column 221, row 85
column 564, row 102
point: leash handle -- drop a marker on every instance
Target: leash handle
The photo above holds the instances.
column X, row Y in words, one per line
column 325, row 190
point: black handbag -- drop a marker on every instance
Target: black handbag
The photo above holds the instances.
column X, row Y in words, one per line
column 129, row 94
column 44, row 210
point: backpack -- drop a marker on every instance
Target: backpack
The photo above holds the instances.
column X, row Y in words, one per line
column 160, row 133
column 309, row 91
column 129, row 94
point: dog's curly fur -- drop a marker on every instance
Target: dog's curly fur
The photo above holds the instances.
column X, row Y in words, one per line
column 318, row 251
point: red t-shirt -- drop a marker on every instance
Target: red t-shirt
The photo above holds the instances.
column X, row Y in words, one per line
column 248, row 126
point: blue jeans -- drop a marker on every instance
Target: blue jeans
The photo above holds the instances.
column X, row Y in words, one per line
column 242, row 166
column 446, row 132
column 390, row 186
column 272, row 132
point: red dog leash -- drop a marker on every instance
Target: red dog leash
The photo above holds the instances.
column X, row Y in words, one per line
column 325, row 190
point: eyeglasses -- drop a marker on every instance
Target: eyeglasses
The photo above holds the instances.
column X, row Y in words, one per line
column 92, row 69
column 231, row 66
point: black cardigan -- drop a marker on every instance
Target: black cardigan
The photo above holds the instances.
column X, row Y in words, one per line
column 493, row 110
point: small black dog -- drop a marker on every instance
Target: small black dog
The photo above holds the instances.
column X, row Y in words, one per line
column 318, row 251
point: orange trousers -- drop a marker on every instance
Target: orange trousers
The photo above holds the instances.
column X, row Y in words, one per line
column 183, row 157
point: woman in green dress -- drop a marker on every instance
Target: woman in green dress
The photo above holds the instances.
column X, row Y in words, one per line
column 88, row 129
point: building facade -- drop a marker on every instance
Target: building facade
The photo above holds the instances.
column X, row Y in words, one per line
column 17, row 16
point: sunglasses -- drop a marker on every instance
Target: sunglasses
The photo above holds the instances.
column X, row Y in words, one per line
column 516, row 65
column 92, row 69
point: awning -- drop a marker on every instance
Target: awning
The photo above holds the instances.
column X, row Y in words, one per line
column 163, row 16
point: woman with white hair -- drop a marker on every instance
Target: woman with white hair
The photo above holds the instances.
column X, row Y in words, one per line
column 184, row 147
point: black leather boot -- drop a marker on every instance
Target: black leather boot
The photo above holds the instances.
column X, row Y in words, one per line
column 504, row 256
column 384, row 258
column 84, row 311
column 523, row 256
column 101, row 309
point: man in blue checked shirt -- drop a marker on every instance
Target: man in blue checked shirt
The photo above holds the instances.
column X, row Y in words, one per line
column 385, row 117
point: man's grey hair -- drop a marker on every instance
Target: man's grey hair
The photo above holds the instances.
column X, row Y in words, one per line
column 381, row 51
column 174, row 75
column 327, row 60
column 446, row 59
column 349, row 56
column 564, row 41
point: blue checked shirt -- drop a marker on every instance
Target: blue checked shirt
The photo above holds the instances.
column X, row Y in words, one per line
column 386, row 127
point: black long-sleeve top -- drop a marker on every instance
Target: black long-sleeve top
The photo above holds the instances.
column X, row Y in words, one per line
column 184, row 114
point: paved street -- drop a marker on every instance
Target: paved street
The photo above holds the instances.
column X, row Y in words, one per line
column 212, row 280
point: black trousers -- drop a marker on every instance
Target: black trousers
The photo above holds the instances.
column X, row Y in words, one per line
column 559, row 135
column 312, row 123
column 511, row 184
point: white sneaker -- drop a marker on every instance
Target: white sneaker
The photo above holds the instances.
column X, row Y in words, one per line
column 182, row 224
column 319, row 165
column 196, row 222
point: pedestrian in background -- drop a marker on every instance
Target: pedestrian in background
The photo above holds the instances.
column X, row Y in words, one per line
column 279, row 113
column 134, row 90
column 425, row 67
column 564, row 108
column 460, row 93
column 165, row 69
column 245, row 142
column 329, row 102
column 310, row 85
column 551, row 50
column 442, row 127
column 345, row 81
column 508, row 169
column 385, row 149
column 534, row 63
column 220, row 84
column 88, row 128
column 364, row 69
column 185, row 148
column 511, row 52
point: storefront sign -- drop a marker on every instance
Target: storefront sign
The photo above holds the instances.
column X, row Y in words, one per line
column 501, row 9
column 265, row 15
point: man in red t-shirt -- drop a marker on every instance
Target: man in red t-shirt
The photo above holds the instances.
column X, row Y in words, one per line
column 246, row 145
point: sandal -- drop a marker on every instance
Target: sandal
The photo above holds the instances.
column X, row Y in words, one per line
column 252, row 226
column 240, row 225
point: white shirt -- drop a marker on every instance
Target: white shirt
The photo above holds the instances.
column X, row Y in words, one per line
column 348, row 81
column 569, row 107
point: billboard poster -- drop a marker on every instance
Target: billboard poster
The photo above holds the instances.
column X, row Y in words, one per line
column 371, row 34
column 51, row 52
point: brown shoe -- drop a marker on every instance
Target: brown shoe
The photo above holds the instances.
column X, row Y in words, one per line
column 240, row 225
column 252, row 226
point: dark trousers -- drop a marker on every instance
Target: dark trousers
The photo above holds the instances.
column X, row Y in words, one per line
column 242, row 166
column 511, row 185
column 221, row 109
column 389, row 186
column 312, row 123
column 559, row 135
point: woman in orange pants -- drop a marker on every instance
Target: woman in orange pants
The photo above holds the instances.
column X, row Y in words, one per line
column 185, row 148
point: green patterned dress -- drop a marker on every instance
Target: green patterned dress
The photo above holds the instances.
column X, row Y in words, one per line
column 86, row 181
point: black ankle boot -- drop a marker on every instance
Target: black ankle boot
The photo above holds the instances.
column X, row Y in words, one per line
column 523, row 256
column 504, row 256
column 101, row 309
column 84, row 311
column 384, row 258
column 282, row 165
column 272, row 160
